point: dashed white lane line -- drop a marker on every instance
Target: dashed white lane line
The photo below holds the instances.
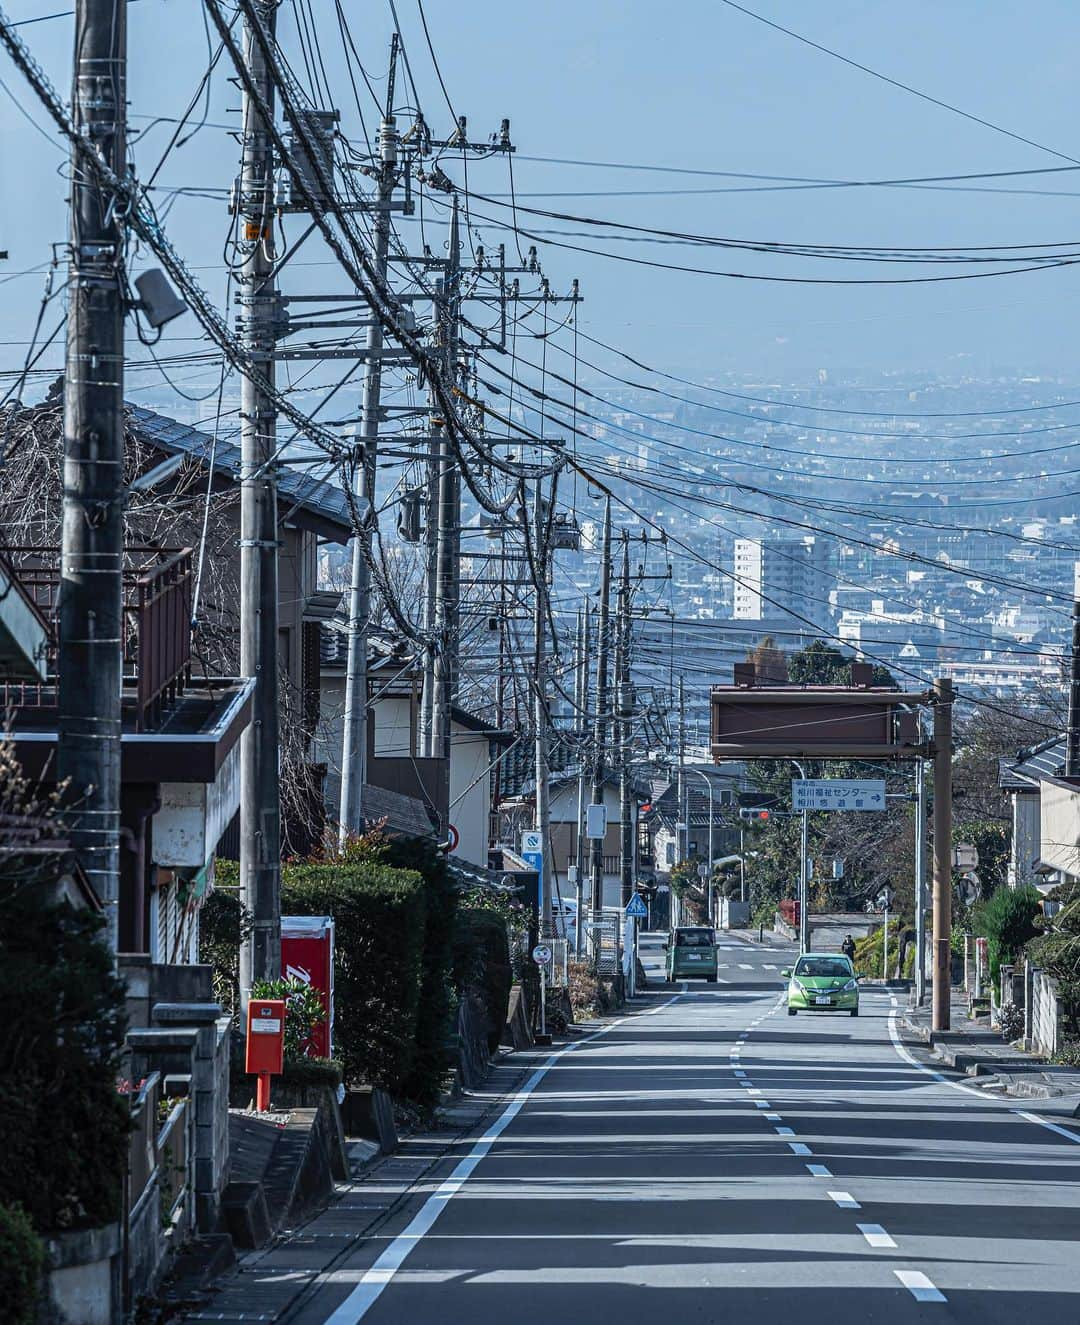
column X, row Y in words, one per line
column 775, row 1118
column 818, row 1171
column 740, row 1075
column 745, row 966
column 785, row 1131
column 919, row 1286
column 750, row 1090
column 760, row 1104
column 845, row 1200
column 875, row 1235
column 797, row 1148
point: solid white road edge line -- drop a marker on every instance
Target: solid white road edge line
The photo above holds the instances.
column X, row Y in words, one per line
column 909, row 1058
column 369, row 1289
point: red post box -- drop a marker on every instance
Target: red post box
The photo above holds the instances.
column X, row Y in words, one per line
column 265, row 1044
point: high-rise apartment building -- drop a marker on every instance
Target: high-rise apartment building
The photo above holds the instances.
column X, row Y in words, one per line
column 778, row 575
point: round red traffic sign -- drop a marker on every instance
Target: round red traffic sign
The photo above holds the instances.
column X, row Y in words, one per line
column 454, row 837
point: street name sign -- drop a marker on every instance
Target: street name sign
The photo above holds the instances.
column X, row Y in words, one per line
column 636, row 908
column 838, row 793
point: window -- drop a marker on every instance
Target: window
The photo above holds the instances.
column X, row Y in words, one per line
column 694, row 938
column 823, row 966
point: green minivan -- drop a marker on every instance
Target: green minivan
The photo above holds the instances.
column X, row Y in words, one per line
column 691, row 954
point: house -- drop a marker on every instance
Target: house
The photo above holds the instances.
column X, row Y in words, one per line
column 1022, row 779
column 516, row 814
column 708, row 833
column 403, row 786
column 184, row 706
column 179, row 745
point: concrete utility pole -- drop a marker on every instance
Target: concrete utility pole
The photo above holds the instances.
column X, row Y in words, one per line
column 683, row 818
column 920, row 882
column 582, row 701
column 542, row 819
column 804, row 874
column 942, row 971
column 354, row 743
column 442, row 681
column 622, row 724
column 90, row 663
column 260, row 814
column 1072, row 740
column 603, row 630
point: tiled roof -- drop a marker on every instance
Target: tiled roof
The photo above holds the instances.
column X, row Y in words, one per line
column 303, row 499
column 1024, row 771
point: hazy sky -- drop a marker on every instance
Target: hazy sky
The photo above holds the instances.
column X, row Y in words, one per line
column 691, row 83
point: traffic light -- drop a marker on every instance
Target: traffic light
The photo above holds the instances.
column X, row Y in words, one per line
column 754, row 815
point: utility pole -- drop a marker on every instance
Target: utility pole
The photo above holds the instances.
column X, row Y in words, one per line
column 90, row 663
column 920, row 881
column 354, row 744
column 600, row 732
column 582, row 701
column 260, row 814
column 542, row 820
column 442, row 677
column 682, row 822
column 622, row 726
column 942, row 976
column 1072, row 741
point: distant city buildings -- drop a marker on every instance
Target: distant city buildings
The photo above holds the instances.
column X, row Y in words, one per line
column 778, row 575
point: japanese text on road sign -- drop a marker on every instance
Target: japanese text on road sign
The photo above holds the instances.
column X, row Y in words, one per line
column 838, row 793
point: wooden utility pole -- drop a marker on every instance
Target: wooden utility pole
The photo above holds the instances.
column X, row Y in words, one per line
column 942, row 937
column 600, row 734
column 90, row 663
column 260, row 814
column 354, row 742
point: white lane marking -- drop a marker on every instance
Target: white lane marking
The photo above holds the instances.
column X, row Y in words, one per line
column 750, row 1090
column 1053, row 1127
column 919, row 1286
column 372, row 1282
column 797, row 1148
column 775, row 1118
column 845, row 1201
column 902, row 1050
column 875, row 1235
column 784, row 1131
column 740, row 1075
column 760, row 1104
column 818, row 1171
column 745, row 966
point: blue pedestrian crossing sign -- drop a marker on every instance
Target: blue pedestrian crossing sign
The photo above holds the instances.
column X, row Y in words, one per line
column 636, row 908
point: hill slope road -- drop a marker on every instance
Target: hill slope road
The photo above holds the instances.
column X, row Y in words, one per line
column 712, row 1159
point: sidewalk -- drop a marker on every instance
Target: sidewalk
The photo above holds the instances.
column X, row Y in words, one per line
column 973, row 1048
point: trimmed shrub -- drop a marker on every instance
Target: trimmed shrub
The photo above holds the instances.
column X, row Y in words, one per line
column 63, row 1115
column 379, row 919
column 1007, row 921
column 22, row 1263
column 482, row 963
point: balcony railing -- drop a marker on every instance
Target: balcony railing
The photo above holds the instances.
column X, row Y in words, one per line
column 157, row 586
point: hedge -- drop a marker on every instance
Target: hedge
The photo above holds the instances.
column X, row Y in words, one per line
column 22, row 1263
column 379, row 921
column 482, row 961
column 63, row 1118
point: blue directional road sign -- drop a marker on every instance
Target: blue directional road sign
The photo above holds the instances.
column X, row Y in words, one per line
column 636, row 908
column 838, row 794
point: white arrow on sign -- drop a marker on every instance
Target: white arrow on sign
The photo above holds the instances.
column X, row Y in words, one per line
column 838, row 794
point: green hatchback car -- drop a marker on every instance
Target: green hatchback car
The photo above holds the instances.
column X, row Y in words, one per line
column 822, row 982
column 691, row 954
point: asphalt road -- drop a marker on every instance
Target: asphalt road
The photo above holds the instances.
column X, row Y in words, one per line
column 709, row 1158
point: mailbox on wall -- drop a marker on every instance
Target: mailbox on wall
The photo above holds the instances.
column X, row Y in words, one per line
column 307, row 954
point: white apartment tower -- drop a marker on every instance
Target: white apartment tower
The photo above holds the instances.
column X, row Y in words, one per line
column 778, row 575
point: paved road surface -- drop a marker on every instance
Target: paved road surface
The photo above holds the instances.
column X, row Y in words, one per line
column 712, row 1159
